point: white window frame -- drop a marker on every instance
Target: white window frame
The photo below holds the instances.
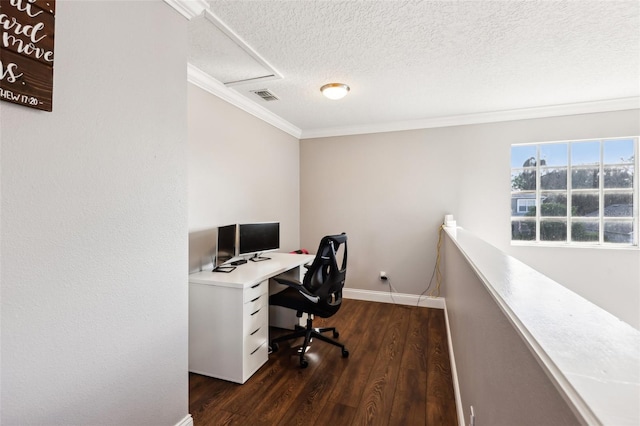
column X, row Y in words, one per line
column 601, row 190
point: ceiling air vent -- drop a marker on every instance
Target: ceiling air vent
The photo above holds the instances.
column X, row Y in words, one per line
column 265, row 95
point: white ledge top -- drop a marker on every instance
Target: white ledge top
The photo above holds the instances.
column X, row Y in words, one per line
column 592, row 357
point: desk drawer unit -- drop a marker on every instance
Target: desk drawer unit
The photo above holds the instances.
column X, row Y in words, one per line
column 228, row 330
column 256, row 331
column 256, row 290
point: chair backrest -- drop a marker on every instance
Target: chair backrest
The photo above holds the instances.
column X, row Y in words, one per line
column 325, row 278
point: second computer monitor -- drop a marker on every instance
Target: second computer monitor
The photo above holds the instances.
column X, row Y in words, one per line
column 257, row 238
column 226, row 245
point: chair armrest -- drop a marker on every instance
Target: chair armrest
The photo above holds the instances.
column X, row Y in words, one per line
column 298, row 286
column 288, row 282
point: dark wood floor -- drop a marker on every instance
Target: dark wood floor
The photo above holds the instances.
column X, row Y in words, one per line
column 397, row 373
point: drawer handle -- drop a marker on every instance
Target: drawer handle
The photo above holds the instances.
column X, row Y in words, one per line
column 256, row 286
column 256, row 350
column 256, row 312
column 257, row 329
column 256, row 299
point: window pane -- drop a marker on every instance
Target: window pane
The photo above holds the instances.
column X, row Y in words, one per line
column 598, row 199
column 585, row 231
column 618, row 204
column 585, row 153
column 618, row 231
column 554, row 154
column 618, row 177
column 523, row 156
column 585, row 178
column 553, row 204
column 618, row 151
column 553, row 178
column 585, row 204
column 553, row 230
column 523, row 180
column 523, row 230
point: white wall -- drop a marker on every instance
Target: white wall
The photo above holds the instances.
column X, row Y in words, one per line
column 94, row 226
column 607, row 277
column 241, row 169
column 389, row 192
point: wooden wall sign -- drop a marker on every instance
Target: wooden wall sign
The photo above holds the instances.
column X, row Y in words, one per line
column 26, row 52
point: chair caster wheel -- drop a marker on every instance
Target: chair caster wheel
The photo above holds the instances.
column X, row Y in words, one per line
column 336, row 334
column 345, row 353
column 274, row 347
column 303, row 363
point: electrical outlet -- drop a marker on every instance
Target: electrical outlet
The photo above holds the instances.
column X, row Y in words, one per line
column 383, row 276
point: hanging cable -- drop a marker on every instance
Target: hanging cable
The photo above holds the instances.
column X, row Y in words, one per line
column 388, row 280
column 436, row 271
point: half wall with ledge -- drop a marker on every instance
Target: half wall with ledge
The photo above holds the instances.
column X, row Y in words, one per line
column 527, row 350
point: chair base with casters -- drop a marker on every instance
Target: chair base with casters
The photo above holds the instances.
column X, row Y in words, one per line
column 309, row 332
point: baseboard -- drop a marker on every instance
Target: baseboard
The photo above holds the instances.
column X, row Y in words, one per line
column 454, row 371
column 396, row 298
column 187, row 421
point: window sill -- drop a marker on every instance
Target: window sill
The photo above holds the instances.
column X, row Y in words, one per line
column 548, row 244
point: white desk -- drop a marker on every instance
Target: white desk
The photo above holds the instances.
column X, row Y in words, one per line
column 228, row 316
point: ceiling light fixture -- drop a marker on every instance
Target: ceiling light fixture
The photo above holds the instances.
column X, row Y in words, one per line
column 335, row 90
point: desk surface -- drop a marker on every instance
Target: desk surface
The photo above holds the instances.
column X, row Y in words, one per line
column 251, row 273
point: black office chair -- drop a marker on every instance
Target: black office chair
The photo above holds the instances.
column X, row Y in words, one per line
column 320, row 293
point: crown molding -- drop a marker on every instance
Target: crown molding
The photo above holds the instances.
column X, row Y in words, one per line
column 188, row 8
column 204, row 81
column 488, row 117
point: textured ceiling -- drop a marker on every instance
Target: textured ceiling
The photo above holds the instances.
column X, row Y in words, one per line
column 412, row 60
column 212, row 51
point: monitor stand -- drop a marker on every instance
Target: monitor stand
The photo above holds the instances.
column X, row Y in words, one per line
column 259, row 258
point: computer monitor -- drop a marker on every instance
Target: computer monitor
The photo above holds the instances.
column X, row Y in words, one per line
column 225, row 247
column 257, row 238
